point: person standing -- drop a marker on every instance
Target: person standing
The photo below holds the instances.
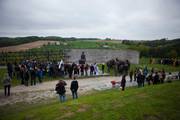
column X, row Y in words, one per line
column 149, row 78
column 7, row 85
column 60, row 88
column 91, row 70
column 39, row 75
column 86, row 69
column 139, row 79
column 131, row 75
column 33, row 76
column 123, row 82
column 26, row 77
column 156, row 78
column 74, row 87
column 82, row 69
column 135, row 74
column 163, row 76
column 10, row 69
column 103, row 66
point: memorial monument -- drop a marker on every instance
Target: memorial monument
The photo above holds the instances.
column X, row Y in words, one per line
column 83, row 59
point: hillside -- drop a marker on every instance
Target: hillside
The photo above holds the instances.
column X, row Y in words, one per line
column 158, row 102
column 154, row 48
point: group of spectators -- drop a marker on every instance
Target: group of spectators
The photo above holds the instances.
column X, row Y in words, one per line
column 31, row 72
column 144, row 75
column 166, row 61
column 27, row 72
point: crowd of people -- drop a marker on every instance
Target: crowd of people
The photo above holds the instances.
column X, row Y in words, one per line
column 166, row 61
column 119, row 66
column 151, row 77
column 31, row 72
column 142, row 76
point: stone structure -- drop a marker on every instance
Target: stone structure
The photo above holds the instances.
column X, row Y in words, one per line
column 83, row 59
column 102, row 55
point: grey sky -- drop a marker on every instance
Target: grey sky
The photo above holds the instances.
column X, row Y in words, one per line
column 120, row 19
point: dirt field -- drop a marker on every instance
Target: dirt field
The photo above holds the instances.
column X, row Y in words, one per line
column 26, row 46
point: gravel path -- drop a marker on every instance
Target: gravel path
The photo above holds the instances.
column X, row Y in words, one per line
column 45, row 90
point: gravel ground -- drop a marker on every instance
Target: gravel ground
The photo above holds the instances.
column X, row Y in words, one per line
column 45, row 91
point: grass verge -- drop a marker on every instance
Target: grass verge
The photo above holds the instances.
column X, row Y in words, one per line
column 158, row 102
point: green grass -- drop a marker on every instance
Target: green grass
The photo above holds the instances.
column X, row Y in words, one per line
column 145, row 62
column 158, row 102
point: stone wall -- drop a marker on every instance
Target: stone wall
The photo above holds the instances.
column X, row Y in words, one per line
column 102, row 55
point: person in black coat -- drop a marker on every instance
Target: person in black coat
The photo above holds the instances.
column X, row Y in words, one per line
column 33, row 76
column 139, row 79
column 149, row 79
column 123, row 82
column 156, row 78
column 60, row 89
column 26, row 77
column 74, row 87
column 103, row 66
column 10, row 69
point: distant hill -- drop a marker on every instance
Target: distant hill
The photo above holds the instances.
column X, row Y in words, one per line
column 156, row 48
column 6, row 41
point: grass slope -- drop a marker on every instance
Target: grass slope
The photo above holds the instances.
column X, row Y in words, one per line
column 158, row 102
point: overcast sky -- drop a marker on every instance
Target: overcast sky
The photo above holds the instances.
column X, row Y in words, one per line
column 119, row 19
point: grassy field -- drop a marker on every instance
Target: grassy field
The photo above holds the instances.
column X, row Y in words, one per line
column 145, row 62
column 158, row 102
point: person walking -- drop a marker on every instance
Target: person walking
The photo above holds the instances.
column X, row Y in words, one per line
column 123, row 82
column 74, row 87
column 60, row 88
column 7, row 85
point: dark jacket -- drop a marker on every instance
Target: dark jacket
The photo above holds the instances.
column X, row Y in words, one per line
column 60, row 87
column 156, row 79
column 74, row 85
column 26, row 75
column 123, row 81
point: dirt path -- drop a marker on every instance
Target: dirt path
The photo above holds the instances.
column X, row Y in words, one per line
column 25, row 46
column 45, row 90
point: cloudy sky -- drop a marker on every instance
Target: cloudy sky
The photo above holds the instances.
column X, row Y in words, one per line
column 119, row 19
